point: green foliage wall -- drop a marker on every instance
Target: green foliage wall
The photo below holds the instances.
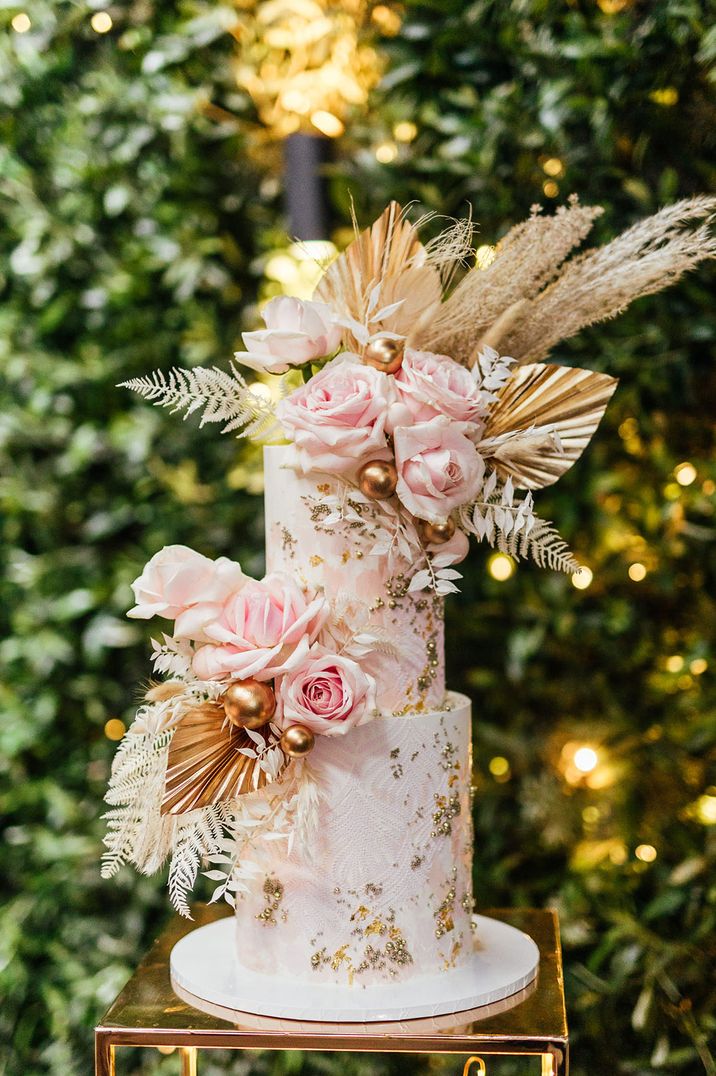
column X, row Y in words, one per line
column 131, row 226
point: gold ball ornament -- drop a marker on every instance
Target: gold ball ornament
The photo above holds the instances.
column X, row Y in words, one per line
column 378, row 479
column 249, row 704
column 297, row 741
column 384, row 354
column 436, row 533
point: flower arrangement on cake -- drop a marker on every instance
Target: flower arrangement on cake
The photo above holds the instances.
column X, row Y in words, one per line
column 300, row 746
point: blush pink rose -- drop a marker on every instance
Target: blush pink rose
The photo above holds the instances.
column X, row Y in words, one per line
column 297, row 330
column 327, row 693
column 338, row 418
column 439, row 467
column 263, row 630
column 178, row 577
column 428, row 385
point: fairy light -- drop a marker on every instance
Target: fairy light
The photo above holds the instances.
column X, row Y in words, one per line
column 405, row 131
column 637, row 571
column 485, row 256
column 618, row 854
column 674, row 663
column 698, row 666
column 583, row 578
column 501, row 567
column 667, row 97
column 612, row 7
column 645, row 852
column 386, row 152
column 553, row 167
column 327, row 123
column 21, row 22
column 499, row 767
column 101, row 22
column 705, row 809
column 585, row 759
column 115, row 728
column 550, row 188
column 685, row 474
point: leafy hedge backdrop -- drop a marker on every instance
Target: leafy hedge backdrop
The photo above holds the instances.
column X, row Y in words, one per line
column 136, row 220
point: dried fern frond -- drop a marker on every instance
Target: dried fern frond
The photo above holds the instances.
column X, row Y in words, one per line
column 199, row 835
column 601, row 283
column 220, row 396
column 526, row 260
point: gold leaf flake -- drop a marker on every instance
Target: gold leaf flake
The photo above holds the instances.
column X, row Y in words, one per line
column 205, row 764
column 543, row 420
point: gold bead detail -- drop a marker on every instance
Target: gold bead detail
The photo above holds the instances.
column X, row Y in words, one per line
column 249, row 704
column 378, row 480
column 297, row 741
column 436, row 533
column 384, row 354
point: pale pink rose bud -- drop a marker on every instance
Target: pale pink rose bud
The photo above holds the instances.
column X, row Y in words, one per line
column 297, row 331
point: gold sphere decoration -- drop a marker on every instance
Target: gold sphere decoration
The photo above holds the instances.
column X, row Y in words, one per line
column 384, row 354
column 249, row 704
column 378, row 479
column 436, row 533
column 297, row 741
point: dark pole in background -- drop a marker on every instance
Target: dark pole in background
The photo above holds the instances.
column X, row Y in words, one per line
column 305, row 158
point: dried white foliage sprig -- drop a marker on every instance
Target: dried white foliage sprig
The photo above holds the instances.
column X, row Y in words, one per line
column 220, row 396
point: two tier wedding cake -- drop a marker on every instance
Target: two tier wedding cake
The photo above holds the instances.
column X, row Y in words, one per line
column 299, row 745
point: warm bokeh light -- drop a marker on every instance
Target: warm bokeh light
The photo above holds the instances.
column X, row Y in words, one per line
column 296, row 269
column 550, row 188
column 485, row 256
column 386, row 19
column 583, row 578
column 386, row 152
column 698, row 666
column 708, row 487
column 21, row 22
column 674, row 663
column 666, row 97
column 685, row 474
column 499, row 766
column 705, row 809
column 585, row 759
column 501, row 567
column 613, row 7
column 553, row 167
column 637, row 571
column 327, row 123
column 590, row 815
column 645, row 852
column 101, row 22
column 405, row 131
column 115, row 728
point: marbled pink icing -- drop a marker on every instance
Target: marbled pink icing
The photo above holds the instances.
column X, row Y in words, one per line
column 337, row 558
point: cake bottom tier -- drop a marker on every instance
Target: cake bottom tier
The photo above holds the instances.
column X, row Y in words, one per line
column 385, row 892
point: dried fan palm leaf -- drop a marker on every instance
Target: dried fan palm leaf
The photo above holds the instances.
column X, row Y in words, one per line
column 601, row 283
column 526, row 260
column 205, row 763
column 388, row 253
column 543, row 420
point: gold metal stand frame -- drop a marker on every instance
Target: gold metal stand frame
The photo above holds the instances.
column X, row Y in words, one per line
column 533, row 1023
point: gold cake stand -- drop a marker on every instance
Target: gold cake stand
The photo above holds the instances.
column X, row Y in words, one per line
column 533, row 1023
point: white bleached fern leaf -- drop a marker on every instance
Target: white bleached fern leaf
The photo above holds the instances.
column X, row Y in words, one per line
column 220, row 396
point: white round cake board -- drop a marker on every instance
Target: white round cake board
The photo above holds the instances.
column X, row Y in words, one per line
column 204, row 964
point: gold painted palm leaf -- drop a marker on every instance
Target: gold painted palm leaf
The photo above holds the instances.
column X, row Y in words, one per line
column 205, row 764
column 388, row 252
column 543, row 420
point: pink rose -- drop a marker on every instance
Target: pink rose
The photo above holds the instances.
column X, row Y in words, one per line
column 177, row 577
column 327, row 693
column 263, row 630
column 338, row 417
column 439, row 467
column 297, row 331
column 428, row 385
